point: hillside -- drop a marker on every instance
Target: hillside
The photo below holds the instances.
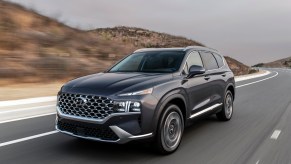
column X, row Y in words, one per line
column 35, row 48
column 143, row 38
column 282, row 63
column 237, row 67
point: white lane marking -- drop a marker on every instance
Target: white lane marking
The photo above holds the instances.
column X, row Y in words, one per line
column 27, row 138
column 248, row 77
column 257, row 81
column 1, row 122
column 258, row 162
column 25, row 118
column 27, row 101
column 275, row 134
column 23, row 109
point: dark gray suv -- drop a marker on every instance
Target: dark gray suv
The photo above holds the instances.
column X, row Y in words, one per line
column 151, row 95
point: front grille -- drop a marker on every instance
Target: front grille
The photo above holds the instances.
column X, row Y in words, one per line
column 87, row 106
column 100, row 132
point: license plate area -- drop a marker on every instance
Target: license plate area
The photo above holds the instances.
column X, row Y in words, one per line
column 80, row 131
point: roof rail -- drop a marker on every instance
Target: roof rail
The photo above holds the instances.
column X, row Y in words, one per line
column 142, row 49
column 200, row 47
column 186, row 48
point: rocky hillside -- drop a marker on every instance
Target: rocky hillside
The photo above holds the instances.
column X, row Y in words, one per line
column 237, row 67
column 35, row 48
column 143, row 38
column 282, row 63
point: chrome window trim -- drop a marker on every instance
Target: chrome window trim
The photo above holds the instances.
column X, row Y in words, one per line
column 223, row 59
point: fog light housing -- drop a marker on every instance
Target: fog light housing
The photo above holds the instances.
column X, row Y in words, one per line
column 134, row 107
column 120, row 107
column 136, row 104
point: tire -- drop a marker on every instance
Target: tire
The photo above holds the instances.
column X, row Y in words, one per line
column 170, row 130
column 227, row 109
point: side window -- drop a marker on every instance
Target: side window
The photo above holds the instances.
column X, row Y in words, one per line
column 218, row 59
column 209, row 61
column 193, row 59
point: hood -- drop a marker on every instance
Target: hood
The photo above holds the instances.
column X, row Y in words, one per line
column 105, row 84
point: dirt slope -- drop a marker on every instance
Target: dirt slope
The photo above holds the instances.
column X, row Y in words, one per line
column 35, row 48
column 282, row 63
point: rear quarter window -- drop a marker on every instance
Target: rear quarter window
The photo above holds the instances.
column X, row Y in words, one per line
column 218, row 59
column 209, row 61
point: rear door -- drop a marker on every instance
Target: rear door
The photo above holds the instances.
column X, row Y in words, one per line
column 213, row 76
column 222, row 73
column 198, row 87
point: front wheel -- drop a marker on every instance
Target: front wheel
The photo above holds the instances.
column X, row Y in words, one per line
column 170, row 130
column 227, row 110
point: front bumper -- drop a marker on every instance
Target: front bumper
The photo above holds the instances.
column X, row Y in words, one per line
column 115, row 129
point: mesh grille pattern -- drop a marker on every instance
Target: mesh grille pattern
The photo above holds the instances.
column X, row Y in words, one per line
column 87, row 106
column 103, row 133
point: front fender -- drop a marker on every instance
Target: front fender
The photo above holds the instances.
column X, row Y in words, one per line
column 174, row 94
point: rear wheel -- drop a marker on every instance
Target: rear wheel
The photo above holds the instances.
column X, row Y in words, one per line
column 170, row 130
column 227, row 110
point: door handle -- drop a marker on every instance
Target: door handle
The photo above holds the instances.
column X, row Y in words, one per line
column 206, row 77
column 223, row 75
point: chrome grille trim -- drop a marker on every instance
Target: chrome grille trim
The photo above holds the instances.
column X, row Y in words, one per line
column 85, row 106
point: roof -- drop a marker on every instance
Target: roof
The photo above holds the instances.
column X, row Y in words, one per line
column 177, row 49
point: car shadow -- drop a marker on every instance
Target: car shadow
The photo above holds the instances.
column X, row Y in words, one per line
column 130, row 152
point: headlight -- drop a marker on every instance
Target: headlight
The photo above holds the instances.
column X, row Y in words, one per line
column 143, row 92
column 127, row 106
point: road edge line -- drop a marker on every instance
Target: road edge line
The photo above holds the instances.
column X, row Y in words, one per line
column 257, row 81
column 24, row 109
column 25, row 118
column 27, row 138
column 250, row 76
column 27, row 101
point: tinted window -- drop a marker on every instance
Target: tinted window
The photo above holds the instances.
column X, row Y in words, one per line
column 156, row 62
column 193, row 59
column 209, row 61
column 219, row 60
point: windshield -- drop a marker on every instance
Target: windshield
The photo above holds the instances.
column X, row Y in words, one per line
column 154, row 62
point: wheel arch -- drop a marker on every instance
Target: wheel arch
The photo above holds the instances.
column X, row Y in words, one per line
column 231, row 88
column 177, row 97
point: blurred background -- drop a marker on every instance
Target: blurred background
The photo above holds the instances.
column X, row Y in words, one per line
column 46, row 43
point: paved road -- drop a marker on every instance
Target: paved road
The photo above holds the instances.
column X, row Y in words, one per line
column 260, row 132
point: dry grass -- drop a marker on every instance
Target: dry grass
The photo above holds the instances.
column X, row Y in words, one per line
column 237, row 67
column 38, row 50
column 276, row 64
column 30, row 90
column 35, row 48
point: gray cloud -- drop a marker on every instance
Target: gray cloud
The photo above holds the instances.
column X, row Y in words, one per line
column 251, row 31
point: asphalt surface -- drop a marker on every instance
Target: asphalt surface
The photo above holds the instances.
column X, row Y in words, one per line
column 259, row 132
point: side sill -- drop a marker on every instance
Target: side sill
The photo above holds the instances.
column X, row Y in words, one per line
column 205, row 110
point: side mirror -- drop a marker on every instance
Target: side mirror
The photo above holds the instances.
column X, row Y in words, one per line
column 196, row 70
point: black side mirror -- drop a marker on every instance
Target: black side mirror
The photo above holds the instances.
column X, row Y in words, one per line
column 196, row 70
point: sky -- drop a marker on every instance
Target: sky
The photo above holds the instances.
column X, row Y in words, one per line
column 251, row 31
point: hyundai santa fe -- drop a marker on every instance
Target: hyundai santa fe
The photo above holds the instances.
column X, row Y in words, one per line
column 149, row 95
